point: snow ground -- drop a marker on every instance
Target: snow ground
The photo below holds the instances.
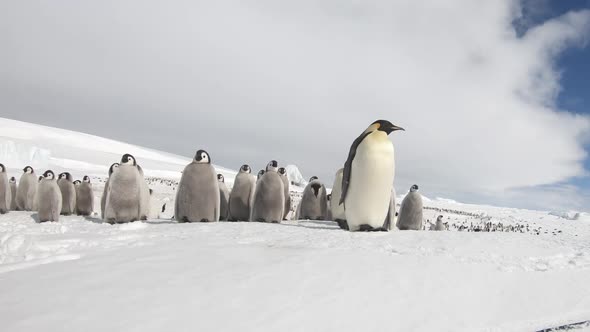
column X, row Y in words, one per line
column 84, row 275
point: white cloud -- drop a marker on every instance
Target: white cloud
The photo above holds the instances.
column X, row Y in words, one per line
column 298, row 81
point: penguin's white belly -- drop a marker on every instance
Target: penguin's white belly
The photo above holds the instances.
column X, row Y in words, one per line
column 371, row 181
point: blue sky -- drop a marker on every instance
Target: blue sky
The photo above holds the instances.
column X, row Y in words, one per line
column 574, row 62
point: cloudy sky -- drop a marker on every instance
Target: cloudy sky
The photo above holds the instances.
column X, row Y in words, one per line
column 491, row 93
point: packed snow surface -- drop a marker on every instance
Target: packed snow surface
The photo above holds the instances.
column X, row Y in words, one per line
column 80, row 274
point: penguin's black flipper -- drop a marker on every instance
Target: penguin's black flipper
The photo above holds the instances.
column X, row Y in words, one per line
column 348, row 165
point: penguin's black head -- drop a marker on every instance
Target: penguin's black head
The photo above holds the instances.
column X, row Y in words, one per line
column 313, row 178
column 202, row 157
column 261, row 173
column 282, row 171
column 220, row 178
column 439, row 218
column 29, row 170
column 385, row 126
column 112, row 168
column 86, row 179
column 77, row 183
column 49, row 175
column 40, row 178
column 246, row 168
column 316, row 188
column 2, row 168
column 65, row 176
column 128, row 159
column 151, row 191
column 414, row 188
column 329, row 197
column 13, row 180
column 273, row 165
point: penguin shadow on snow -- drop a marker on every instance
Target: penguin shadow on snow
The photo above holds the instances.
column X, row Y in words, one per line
column 95, row 220
column 322, row 224
column 35, row 217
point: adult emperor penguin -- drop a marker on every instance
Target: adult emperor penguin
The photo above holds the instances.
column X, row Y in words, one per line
column 5, row 191
column 68, row 193
column 367, row 179
column 242, row 195
column 13, row 193
column 26, row 190
column 197, row 196
column 337, row 209
column 410, row 212
column 103, row 198
column 123, row 202
column 285, row 178
column 84, row 197
column 269, row 197
column 314, row 204
column 49, row 198
column 223, row 197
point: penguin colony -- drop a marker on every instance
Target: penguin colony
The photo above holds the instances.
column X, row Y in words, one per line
column 362, row 198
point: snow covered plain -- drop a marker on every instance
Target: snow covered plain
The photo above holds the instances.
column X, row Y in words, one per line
column 83, row 275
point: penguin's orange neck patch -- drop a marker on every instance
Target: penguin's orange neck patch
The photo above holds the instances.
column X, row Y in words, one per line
column 373, row 127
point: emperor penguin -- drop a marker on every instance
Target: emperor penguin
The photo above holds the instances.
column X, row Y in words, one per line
column 223, row 197
column 5, row 191
column 197, row 196
column 68, row 193
column 260, row 174
column 367, row 179
column 84, row 197
column 336, row 208
column 49, row 198
column 242, row 195
column 269, row 196
column 123, row 202
column 329, row 211
column 26, row 190
column 283, row 174
column 440, row 226
column 314, row 204
column 103, row 198
column 410, row 212
column 13, row 193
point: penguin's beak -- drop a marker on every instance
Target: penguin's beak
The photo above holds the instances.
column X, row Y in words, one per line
column 389, row 127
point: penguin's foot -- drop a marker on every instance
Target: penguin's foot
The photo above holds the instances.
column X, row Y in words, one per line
column 205, row 220
column 275, row 222
column 111, row 221
column 260, row 220
column 369, row 228
column 342, row 224
column 143, row 218
column 184, row 219
column 3, row 211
